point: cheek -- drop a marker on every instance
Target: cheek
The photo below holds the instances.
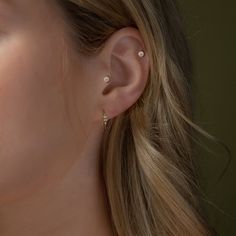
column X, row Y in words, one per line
column 31, row 115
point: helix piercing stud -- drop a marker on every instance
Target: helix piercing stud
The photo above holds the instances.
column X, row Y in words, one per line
column 141, row 53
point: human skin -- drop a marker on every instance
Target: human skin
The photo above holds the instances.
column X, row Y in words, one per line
column 50, row 180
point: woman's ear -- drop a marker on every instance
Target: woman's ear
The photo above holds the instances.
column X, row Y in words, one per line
column 127, row 65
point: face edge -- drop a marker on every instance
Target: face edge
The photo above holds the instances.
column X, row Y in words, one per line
column 33, row 131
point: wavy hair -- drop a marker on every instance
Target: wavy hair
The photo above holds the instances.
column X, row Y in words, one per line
column 147, row 151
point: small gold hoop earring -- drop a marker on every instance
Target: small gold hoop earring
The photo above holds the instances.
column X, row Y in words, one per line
column 141, row 53
column 105, row 119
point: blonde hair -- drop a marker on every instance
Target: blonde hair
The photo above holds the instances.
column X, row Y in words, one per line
column 147, row 151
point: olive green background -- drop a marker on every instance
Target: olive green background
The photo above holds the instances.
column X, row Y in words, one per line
column 211, row 31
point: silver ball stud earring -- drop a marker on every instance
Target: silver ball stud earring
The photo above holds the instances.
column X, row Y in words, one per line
column 141, row 53
column 107, row 79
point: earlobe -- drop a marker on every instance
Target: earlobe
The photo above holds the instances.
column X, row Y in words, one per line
column 128, row 72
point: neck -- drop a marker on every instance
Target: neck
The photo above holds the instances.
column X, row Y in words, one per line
column 75, row 205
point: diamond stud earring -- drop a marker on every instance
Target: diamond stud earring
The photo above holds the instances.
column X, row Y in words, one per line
column 141, row 53
column 107, row 79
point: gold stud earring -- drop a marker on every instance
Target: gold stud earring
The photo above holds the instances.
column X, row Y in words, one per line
column 105, row 119
column 107, row 79
column 141, row 53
